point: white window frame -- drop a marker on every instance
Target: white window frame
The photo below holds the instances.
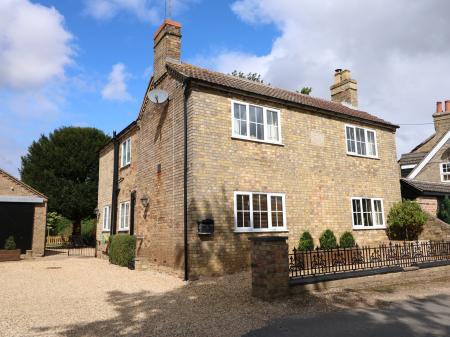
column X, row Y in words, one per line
column 355, row 153
column 441, row 166
column 251, row 229
column 265, row 140
column 124, row 160
column 106, row 222
column 124, row 223
column 372, row 202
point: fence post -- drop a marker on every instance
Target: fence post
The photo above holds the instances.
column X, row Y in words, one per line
column 270, row 267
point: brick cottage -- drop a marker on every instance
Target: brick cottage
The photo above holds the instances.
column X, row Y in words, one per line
column 252, row 158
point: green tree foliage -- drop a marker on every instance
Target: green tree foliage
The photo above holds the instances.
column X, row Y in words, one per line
column 444, row 210
column 58, row 225
column 10, row 244
column 255, row 77
column 328, row 240
column 347, row 240
column 306, row 242
column 88, row 228
column 406, row 220
column 305, row 90
column 64, row 166
column 122, row 249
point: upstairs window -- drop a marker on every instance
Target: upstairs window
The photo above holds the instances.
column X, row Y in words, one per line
column 361, row 141
column 445, row 172
column 106, row 218
column 367, row 213
column 126, row 152
column 256, row 123
column 259, row 212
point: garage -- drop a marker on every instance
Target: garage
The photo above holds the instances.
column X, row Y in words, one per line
column 23, row 215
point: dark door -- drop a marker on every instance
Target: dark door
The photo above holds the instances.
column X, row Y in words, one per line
column 17, row 219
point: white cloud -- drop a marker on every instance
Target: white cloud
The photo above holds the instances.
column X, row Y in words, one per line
column 107, row 9
column 399, row 52
column 116, row 88
column 34, row 45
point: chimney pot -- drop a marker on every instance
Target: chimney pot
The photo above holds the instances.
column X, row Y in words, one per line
column 438, row 107
column 447, row 106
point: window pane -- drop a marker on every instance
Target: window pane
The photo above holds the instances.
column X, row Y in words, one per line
column 264, row 220
column 378, row 212
column 350, row 139
column 243, row 210
column 360, row 141
column 372, row 150
column 357, row 212
column 367, row 212
column 240, row 119
column 256, row 122
column 256, row 220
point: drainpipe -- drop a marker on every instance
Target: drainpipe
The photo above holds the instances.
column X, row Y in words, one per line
column 185, row 192
column 115, row 184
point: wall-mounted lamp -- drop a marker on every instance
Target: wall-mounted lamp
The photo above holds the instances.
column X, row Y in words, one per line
column 144, row 201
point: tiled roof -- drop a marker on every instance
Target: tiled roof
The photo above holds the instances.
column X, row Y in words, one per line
column 412, row 158
column 425, row 186
column 230, row 81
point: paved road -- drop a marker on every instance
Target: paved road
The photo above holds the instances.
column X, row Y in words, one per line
column 416, row 317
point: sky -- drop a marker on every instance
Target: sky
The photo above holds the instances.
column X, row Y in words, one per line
column 88, row 62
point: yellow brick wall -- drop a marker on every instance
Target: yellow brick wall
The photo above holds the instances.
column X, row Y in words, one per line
column 318, row 180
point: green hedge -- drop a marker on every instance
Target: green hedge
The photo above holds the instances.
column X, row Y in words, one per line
column 406, row 220
column 306, row 242
column 347, row 240
column 328, row 240
column 122, row 249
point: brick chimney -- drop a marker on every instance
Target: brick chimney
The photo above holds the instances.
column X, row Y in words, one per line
column 167, row 46
column 344, row 89
column 442, row 118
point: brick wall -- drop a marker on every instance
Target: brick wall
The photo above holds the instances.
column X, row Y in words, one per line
column 428, row 204
column 317, row 177
column 9, row 186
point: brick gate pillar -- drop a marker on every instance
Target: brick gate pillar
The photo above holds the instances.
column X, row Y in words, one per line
column 270, row 267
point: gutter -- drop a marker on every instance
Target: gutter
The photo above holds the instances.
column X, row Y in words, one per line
column 187, row 86
column 115, row 185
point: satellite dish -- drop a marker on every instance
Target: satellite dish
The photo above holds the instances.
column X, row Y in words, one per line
column 158, row 96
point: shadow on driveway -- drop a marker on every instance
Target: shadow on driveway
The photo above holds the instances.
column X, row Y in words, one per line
column 417, row 317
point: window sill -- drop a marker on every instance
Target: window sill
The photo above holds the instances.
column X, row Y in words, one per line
column 123, row 231
column 368, row 228
column 257, row 141
column 125, row 166
column 240, row 231
column 361, row 156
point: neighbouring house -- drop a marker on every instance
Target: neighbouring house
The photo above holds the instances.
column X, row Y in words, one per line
column 425, row 170
column 23, row 215
column 225, row 159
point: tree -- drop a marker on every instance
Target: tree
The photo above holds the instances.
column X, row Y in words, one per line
column 444, row 210
column 255, row 77
column 406, row 220
column 64, row 166
column 305, row 90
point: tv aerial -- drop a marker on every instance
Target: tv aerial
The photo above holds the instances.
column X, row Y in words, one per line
column 158, row 96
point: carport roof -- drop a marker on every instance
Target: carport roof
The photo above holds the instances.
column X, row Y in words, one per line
column 17, row 181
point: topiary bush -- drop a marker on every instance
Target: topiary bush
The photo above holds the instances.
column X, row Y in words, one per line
column 306, row 242
column 122, row 249
column 10, row 244
column 347, row 240
column 328, row 240
column 406, row 220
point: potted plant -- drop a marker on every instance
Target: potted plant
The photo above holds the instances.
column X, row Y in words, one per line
column 10, row 253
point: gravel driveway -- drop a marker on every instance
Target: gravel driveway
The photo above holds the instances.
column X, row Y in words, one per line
column 89, row 297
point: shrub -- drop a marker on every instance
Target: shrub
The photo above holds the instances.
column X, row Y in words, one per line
column 10, row 244
column 88, row 228
column 328, row 240
column 306, row 242
column 122, row 249
column 444, row 210
column 347, row 240
column 406, row 220
column 58, row 224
